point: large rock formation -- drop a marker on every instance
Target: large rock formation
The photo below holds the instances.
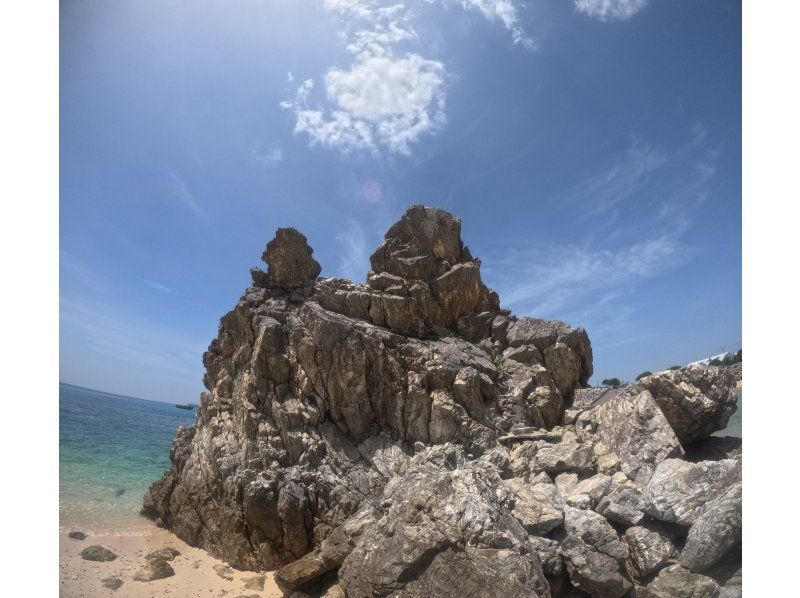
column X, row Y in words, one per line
column 407, row 437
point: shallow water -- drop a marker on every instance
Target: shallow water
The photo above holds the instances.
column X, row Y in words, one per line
column 111, row 448
column 735, row 422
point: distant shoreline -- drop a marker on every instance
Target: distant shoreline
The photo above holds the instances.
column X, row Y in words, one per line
column 112, row 394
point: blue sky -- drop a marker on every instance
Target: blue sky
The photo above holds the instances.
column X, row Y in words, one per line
column 591, row 148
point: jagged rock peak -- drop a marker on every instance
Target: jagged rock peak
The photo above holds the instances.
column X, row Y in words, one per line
column 290, row 260
column 424, row 244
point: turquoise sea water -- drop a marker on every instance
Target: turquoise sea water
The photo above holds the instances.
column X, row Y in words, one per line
column 111, row 448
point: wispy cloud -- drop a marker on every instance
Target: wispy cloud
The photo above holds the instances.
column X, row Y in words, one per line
column 131, row 339
column 156, row 286
column 610, row 10
column 179, row 190
column 506, row 12
column 629, row 242
column 563, row 278
column 386, row 99
column 267, row 157
column 603, row 189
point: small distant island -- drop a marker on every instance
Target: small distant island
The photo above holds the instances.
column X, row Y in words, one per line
column 186, row 406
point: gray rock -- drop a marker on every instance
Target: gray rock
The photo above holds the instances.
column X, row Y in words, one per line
column 696, row 400
column 112, row 583
column 650, row 548
column 632, row 426
column 562, row 456
column 290, row 260
column 167, row 553
column 309, row 569
column 566, row 482
column 537, row 506
column 224, row 572
column 623, row 505
column 594, row 555
column 447, row 533
column 677, row 582
column 716, row 531
column 255, row 583
column 77, row 535
column 97, row 553
column 679, row 491
column 594, row 487
column 154, row 569
column 422, row 245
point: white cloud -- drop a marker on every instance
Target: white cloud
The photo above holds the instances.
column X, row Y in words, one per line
column 386, row 99
column 504, row 11
column 382, row 100
column 610, row 10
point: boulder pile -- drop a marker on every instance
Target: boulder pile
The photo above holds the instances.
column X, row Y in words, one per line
column 407, row 437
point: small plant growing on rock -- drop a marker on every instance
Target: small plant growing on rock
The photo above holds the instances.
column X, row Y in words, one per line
column 613, row 382
column 675, row 367
column 715, row 362
column 644, row 374
column 499, row 362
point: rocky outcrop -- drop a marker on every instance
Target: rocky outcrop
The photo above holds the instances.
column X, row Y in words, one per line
column 633, row 433
column 407, row 437
column 696, row 400
column 290, row 262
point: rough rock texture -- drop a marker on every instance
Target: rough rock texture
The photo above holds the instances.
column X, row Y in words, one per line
column 696, row 400
column 77, row 535
column 679, row 491
column 677, row 582
column 154, row 568
column 290, row 261
column 715, row 532
column 445, row 532
column 632, row 427
column 112, row 583
column 650, row 548
column 97, row 553
column 594, row 555
column 407, row 437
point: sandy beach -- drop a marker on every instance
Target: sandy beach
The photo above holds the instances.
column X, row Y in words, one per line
column 194, row 569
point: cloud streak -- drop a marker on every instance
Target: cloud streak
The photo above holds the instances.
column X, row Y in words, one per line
column 638, row 221
column 179, row 190
column 610, row 10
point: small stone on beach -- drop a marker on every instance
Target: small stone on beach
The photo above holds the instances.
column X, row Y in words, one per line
column 112, row 583
column 77, row 535
column 97, row 553
column 165, row 554
column 154, row 569
column 224, row 572
column 255, row 583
